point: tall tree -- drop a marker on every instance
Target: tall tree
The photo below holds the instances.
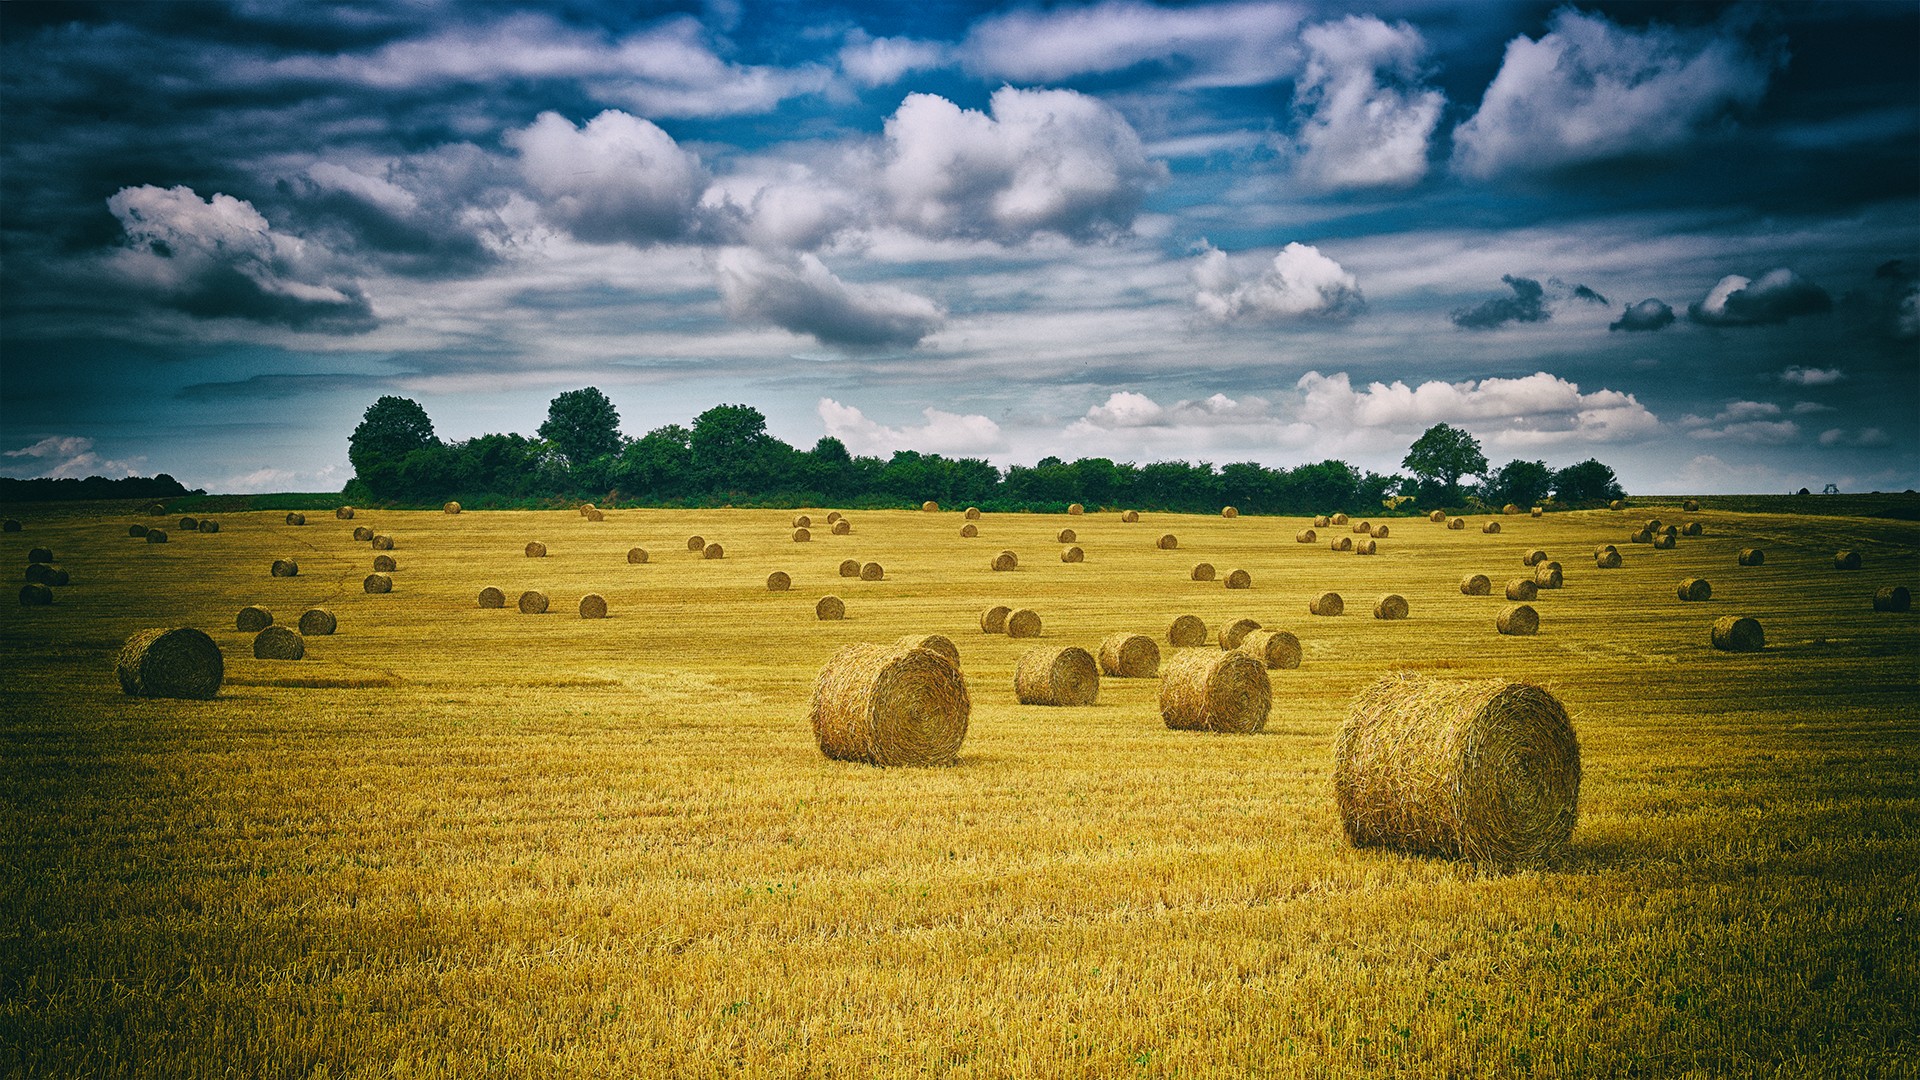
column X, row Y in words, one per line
column 729, row 444
column 1443, row 455
column 392, row 428
column 1587, row 482
column 583, row 425
column 1522, row 483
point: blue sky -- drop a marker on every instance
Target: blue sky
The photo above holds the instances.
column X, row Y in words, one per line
column 1684, row 239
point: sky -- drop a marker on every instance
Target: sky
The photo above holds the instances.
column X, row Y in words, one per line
column 1683, row 239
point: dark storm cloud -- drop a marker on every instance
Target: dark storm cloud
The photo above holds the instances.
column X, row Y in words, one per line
column 1647, row 315
column 1777, row 296
column 271, row 387
column 1581, row 292
column 1527, row 304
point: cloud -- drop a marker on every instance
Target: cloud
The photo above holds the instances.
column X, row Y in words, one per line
column 1527, row 304
column 61, row 456
column 1779, row 295
column 617, row 179
column 1589, row 90
column 1300, row 283
column 873, row 62
column 945, row 433
column 1647, row 315
column 792, row 207
column 1583, row 294
column 1540, row 408
column 1364, row 120
column 800, row 294
column 1216, row 45
column 1743, row 421
column 1042, row 161
column 417, row 215
column 1864, row 437
column 1806, row 376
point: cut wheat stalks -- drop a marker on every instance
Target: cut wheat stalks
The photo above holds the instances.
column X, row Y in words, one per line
column 1227, row 692
column 890, row 705
column 1056, row 675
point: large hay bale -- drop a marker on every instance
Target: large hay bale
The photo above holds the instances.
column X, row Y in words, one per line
column 973, row 513
column 1691, row 528
column 344, row 513
column 362, row 533
column 1694, row 589
column 279, row 643
column 1548, row 576
column 35, row 594
column 593, row 606
column 377, row 584
column 1437, row 516
column 1338, row 519
column 1607, row 560
column 1380, row 532
column 189, row 524
column 1456, row 523
column 1066, row 536
column 451, row 507
column 40, row 555
column 1533, row 557
column 57, row 576
column 1305, row 536
column 385, row 564
column 872, row 571
column 1617, row 504
column 890, row 705
column 1321, row 521
column 1510, row 509
column 1129, row 656
column 713, row 551
column 930, row 506
column 1187, row 631
column 1341, row 543
column 1274, row 648
column 1654, row 524
column 1056, row 675
column 1846, row 560
column 1517, row 620
column 939, row 643
column 172, row 663
column 1229, row 512
column 850, row 568
column 1239, row 579
column 1485, row 770
column 969, row 530
column 1076, row 509
column 1327, row 603
column 1892, row 598
column 136, row 530
column 382, row 542
column 1390, row 606
column 1522, row 589
column 994, row 619
column 636, row 555
column 1752, row 557
column 491, row 597
column 284, row 568
column 1006, row 560
column 1476, row 585
column 1023, row 623
column 829, row 609
column 833, row 516
column 1130, row 516
column 1490, row 527
column 156, row 536
column 208, row 525
column 536, row 550
column 1363, row 528
column 842, row 527
column 1232, row 634
column 318, row 622
column 1215, row 691
column 595, row 515
column 1663, row 541
column 1735, row 633
column 1640, row 537
column 802, row 536
column 802, row 521
column 1690, row 506
column 779, row 581
column 1167, row 542
column 1201, row 572
column 696, row 543
column 1368, row 546
column 533, row 602
column 296, row 519
column 1073, row 555
column 252, row 619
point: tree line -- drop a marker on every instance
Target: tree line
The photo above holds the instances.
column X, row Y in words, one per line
column 727, row 457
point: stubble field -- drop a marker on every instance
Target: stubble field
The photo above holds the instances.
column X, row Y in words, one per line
column 466, row 842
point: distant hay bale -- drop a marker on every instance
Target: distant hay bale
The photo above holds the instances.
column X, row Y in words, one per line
column 1694, row 589
column 451, row 507
column 1321, row 521
column 1006, row 560
column 1229, row 512
column 1538, row 511
column 10, row 525
column 1239, row 579
column 491, row 597
column 1338, row 519
column 872, row 571
column 1691, row 528
column 1533, row 557
column 533, row 602
column 344, row 513
column 930, row 506
column 850, row 568
column 1023, row 623
column 1366, row 547
column 158, row 509
column 1187, row 631
column 1327, row 603
column 252, row 619
column 1476, row 585
column 39, row 573
column 969, row 530
column 1305, row 536
column 696, row 543
column 1490, row 527
column 994, row 619
column 713, row 551
column 1276, row 649
column 318, row 622
column 208, row 525
column 35, row 594
column 1436, row 516
column 1735, row 633
column 1215, row 691
column 1390, row 606
column 1167, row 542
column 156, row 536
column 1846, row 560
column 1517, row 620
column 1073, row 555
column 1484, row 770
column 779, row 581
column 172, row 663
column 279, row 643
column 1067, row 536
column 377, row 584
column 802, row 521
column 385, row 564
column 1456, row 523
column 842, row 527
column 1640, row 537
column 1548, row 576
column 1617, row 504
column 1363, row 528
column 1522, row 589
column 136, row 530
column 1510, row 509
column 40, row 555
column 1232, row 634
column 1129, row 656
column 1604, row 549
column 586, row 508
column 636, row 555
column 833, row 516
column 296, row 519
column 58, row 576
column 939, row 643
column 1380, row 532
column 1076, row 509
column 536, row 550
column 1056, row 675
column 1607, row 559
column 593, row 606
column 595, row 515
column 1341, row 543
column 801, row 536
column 1130, row 516
column 189, row 524
column 890, row 705
column 1654, row 525
column 1892, row 598
column 1690, row 506
column 284, row 568
column 382, row 542
column 362, row 533
column 830, row 608
column 1201, row 572
column 1752, row 557
column 973, row 513
column 1663, row 541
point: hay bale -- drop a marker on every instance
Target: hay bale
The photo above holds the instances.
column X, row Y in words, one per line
column 1201, row 572
column 1006, row 560
column 1338, row 519
column 10, row 525
column 1274, row 648
column 344, row 513
column 1484, row 770
column 252, row 619
column 994, row 619
column 1129, row 656
column 1510, row 509
column 1604, row 549
column 833, row 516
column 533, row 602
column 1341, row 543
column 1437, row 516
column 1533, row 557
column 1215, row 691
column 1892, row 598
column 1490, row 527
column 802, row 521
column 1305, row 536
column 362, row 533
column 156, row 536
column 850, row 568
column 593, row 606
column 35, row 594
column 930, row 506
column 172, row 663
column 491, row 597
column 872, row 571
column 1076, row 509
column 1167, row 542
column 39, row 573
column 1640, row 537
column 1130, row 516
column 1737, row 634
column 189, row 524
column 136, row 530
column 890, row 705
column 1654, row 524
column 969, row 530
column 1517, row 620
column 1548, row 576
column 779, row 581
column 1752, row 557
column 842, row 527
column 1456, row 523
column 318, row 621
column 1476, row 585
column 586, row 508
column 1023, row 623
column 382, row 542
column 1327, row 603
column 802, row 536
column 939, row 643
column 1368, row 546
column 40, row 554
column 1056, row 675
column 1073, row 555
column 713, row 551
column 377, row 584
column 536, row 550
column 1691, row 528
column 1617, row 504
column 58, row 576
column 1363, row 528
column 1690, row 506
column 636, row 555
column 1239, row 579
column 1232, row 634
column 696, row 543
column 284, row 568
column 1066, row 536
column 157, row 509
column 1522, row 589
column 1380, row 532
column 451, row 507
column 1187, row 631
column 1608, row 559
column 1663, row 541
column 1390, row 606
column 1229, row 512
column 279, row 643
column 1321, row 521
column 1694, row 589
column 208, row 525
column 385, row 564
column 1846, row 560
column 1537, row 511
column 296, row 519
column 973, row 513
column 829, row 609
column 595, row 515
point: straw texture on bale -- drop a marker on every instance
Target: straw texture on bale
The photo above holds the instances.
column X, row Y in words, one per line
column 872, row 571
column 1380, row 532
column 1663, row 541
column 344, row 513
column 1510, row 509
column 1476, row 585
column 593, row 606
column 252, row 619
column 1056, row 675
column 1363, row 528
column 1691, row 528
column 833, row 516
column 1201, row 572
column 1517, row 620
column 1066, row 536
column 533, row 602
column 1073, row 555
column 1484, row 770
column 994, row 619
column 189, row 524
column 850, row 568
column 1533, row 557
column 1167, row 542
column 890, row 705
column 1341, row 543
column 1892, row 598
column 1229, row 512
column 1694, row 589
column 801, row 536
column 1076, row 509
column 377, row 583
column 930, row 506
column 696, row 543
column 1239, row 579
column 362, row 533
column 278, row 643
column 1232, row 634
column 779, row 581
column 536, row 550
column 1548, row 576
column 318, row 622
column 1456, row 523
column 284, row 568
column 208, row 525
column 451, row 507
column 1023, row 623
column 1305, row 536
column 973, row 513
column 156, row 536
column 595, row 515
column 1327, row 603
column 57, row 576
column 1187, row 631
column 969, row 529
column 1129, row 656
column 1522, row 589
column 491, row 597
column 1366, row 547
column 830, row 608
column 1321, row 521
column 1390, row 606
column 296, row 519
column 1130, row 516
column 1006, row 560
column 1690, row 506
column 1640, row 537
column 802, row 521
column 1607, row 559
column 136, row 530
column 385, row 564
column 713, row 551
column 1846, row 560
column 1735, row 633
column 1215, row 691
column 1653, row 525
column 939, row 643
column 842, row 527
column 1338, row 519
column 382, row 542
column 1490, row 527
column 1752, row 557
column 1436, row 516
column 35, row 594
column 637, row 555
column 172, row 663
column 1274, row 648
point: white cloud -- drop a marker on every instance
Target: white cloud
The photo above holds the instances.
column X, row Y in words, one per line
column 1540, row 408
column 791, row 206
column 1300, row 283
column 618, row 179
column 1364, row 121
column 63, row 456
column 1589, row 90
column 872, row 61
column 1806, row 376
column 945, row 433
column 1216, row 45
column 800, row 294
column 1126, row 409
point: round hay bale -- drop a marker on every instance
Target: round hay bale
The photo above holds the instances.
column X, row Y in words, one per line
column 1338, row 519
column 1604, row 549
column 1073, row 555
column 1490, row 527
column 872, row 571
column 1607, row 559
column 833, row 516
column 1456, row 523
column 1654, row 525
column 491, row 597
column 382, row 542
column 1363, row 528
column 1476, row 585
column 779, row 581
column 318, row 622
column 595, row 515
column 1735, row 633
column 1056, row 675
column 296, row 519
column 1522, row 589
column 284, row 568
column 156, row 536
column 1167, row 542
column 1229, row 512
column 1305, row 536
column 1274, row 648
column 1023, row 623
column 533, row 602
column 377, row 584
column 1510, row 509
column 593, row 606
column 1517, row 620
column 1548, row 576
column 385, row 564
column 1327, row 603
column 40, row 555
column 1380, row 532
column 1690, row 506
column 157, row 509
column 362, row 533
column 1129, row 656
column 696, row 543
column 189, row 524
column 1484, row 770
column 1752, row 557
column 1006, row 560
column 636, row 556
column 1892, row 598
column 252, row 619
column 1437, row 516
column 451, row 507
column 802, row 521
column 136, row 530
column 1617, row 504
column 1232, row 634
column 994, row 619
column 801, row 536
column 279, row 643
column 1533, row 557
column 842, row 527
column 1066, row 536
column 1076, row 509
column 1215, row 691
column 973, row 513
column 969, row 530
column 39, row 573
column 1368, row 546
column 1201, row 572
column 208, row 525
column 344, row 513
column 10, row 525
column 1390, row 606
column 830, row 608
column 1846, row 560
column 172, row 663
column 34, row 594
column 1341, row 543
column 930, row 507
column 1537, row 511
column 890, row 705
column 586, row 508
column 850, row 568
column 1130, row 516
column 1663, row 541
column 1321, row 521
column 713, row 551
column 1187, row 631
column 1239, row 579
column 58, row 576
column 536, row 550
column 1691, row 528
column 1640, row 537
column 939, row 643
column 1694, row 589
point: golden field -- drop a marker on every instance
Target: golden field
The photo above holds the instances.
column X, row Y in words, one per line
column 466, row 842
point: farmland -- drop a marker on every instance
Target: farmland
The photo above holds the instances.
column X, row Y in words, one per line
column 461, row 841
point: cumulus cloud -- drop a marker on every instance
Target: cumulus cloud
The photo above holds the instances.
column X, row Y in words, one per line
column 872, row 61
column 1527, row 304
column 790, row 207
column 1779, row 295
column 800, row 294
column 1216, row 45
column 1647, row 315
column 1743, row 421
column 1039, row 161
column 617, row 179
column 1299, row 283
column 417, row 215
column 1589, row 90
column 1540, row 408
column 945, row 433
column 1364, row 121
column 61, row 456
column 1808, row 376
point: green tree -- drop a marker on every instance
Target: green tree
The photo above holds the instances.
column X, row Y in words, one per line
column 392, row 428
column 1589, row 482
column 584, row 426
column 730, row 445
column 1522, row 483
column 657, row 465
column 1443, row 455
